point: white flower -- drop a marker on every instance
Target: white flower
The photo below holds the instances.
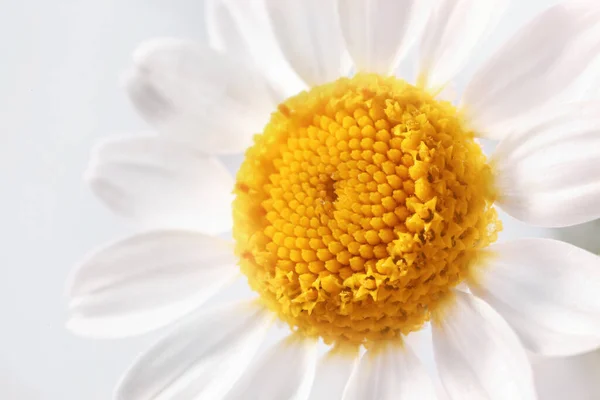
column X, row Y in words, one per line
column 358, row 211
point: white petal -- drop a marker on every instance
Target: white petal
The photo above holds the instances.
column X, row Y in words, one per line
column 376, row 32
column 147, row 281
column 332, row 374
column 478, row 355
column 584, row 236
column 285, row 371
column 243, row 28
column 389, row 372
column 454, row 30
column 422, row 344
column 224, row 34
column 546, row 290
column 576, row 378
column 548, row 175
column 198, row 94
column 542, row 60
column 310, row 38
column 157, row 182
column 201, row 359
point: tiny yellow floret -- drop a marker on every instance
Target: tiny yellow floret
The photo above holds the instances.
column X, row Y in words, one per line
column 360, row 206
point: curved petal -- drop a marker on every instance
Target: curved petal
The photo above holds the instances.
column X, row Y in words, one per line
column 376, row 32
column 390, row 371
column 147, row 281
column 309, row 36
column 157, row 182
column 454, row 30
column 559, row 378
column 200, row 359
column 477, row 354
column 285, row 371
column 541, row 61
column 199, row 95
column 332, row 374
column 548, row 175
column 546, row 290
column 243, row 28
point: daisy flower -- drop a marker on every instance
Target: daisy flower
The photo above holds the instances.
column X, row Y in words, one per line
column 363, row 214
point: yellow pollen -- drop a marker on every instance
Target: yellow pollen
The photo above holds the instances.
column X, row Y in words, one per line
column 360, row 206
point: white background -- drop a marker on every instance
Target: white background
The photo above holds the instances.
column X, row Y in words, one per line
column 59, row 71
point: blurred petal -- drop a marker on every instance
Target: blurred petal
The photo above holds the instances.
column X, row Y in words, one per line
column 200, row 95
column 157, row 182
column 200, row 359
column 376, row 32
column 541, row 61
column 546, row 290
column 309, row 36
column 243, row 28
column 478, row 356
column 559, row 378
column 224, row 33
column 147, row 281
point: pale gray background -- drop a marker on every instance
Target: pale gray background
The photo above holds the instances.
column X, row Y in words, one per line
column 59, row 68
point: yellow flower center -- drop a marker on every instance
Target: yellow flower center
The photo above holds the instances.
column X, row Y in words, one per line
column 361, row 205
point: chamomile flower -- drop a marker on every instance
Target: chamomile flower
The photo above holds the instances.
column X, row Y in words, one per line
column 363, row 205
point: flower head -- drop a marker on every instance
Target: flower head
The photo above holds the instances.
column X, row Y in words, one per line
column 362, row 204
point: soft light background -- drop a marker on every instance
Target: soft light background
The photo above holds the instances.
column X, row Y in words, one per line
column 59, row 71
